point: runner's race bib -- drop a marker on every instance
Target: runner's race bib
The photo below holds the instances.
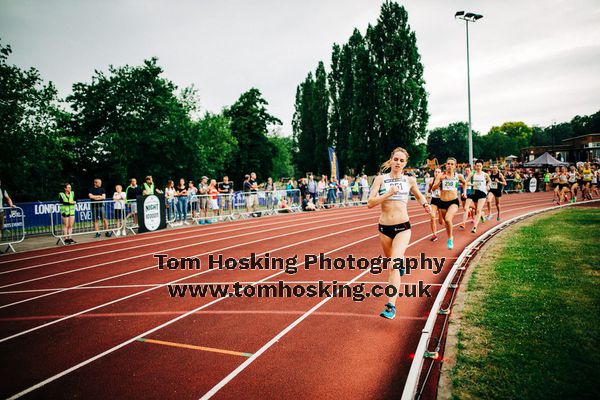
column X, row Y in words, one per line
column 449, row 184
column 479, row 184
column 494, row 185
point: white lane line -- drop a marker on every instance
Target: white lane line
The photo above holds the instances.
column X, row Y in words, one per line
column 198, row 235
column 163, row 251
column 150, row 267
column 175, row 248
column 282, row 333
column 7, row 338
column 157, row 328
column 286, row 234
column 208, row 312
column 108, row 287
column 149, row 236
column 123, row 344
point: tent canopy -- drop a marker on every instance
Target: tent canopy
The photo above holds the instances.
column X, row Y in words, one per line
column 511, row 157
column 545, row 160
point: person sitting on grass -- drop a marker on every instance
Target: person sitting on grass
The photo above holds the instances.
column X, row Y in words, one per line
column 307, row 204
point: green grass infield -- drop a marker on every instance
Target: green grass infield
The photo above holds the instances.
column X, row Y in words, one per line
column 530, row 326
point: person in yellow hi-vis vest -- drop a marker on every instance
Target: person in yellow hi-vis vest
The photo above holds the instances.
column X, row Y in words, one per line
column 149, row 187
column 67, row 212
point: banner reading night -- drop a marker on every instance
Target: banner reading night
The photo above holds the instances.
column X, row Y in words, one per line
column 333, row 161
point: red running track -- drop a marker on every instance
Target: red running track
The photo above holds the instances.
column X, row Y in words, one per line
column 96, row 320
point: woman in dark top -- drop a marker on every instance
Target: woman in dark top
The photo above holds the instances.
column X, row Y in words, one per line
column 182, row 201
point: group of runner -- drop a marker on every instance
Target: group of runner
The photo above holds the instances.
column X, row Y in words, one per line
column 392, row 191
column 567, row 183
column 447, row 190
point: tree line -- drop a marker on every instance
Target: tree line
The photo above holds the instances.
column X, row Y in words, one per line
column 372, row 99
column 127, row 122
column 506, row 139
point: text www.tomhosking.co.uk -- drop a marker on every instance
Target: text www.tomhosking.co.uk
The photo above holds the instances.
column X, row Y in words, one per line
column 290, row 265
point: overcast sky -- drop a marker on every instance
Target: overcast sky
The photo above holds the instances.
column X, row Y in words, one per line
column 531, row 61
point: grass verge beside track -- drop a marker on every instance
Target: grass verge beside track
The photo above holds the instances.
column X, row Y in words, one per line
column 530, row 325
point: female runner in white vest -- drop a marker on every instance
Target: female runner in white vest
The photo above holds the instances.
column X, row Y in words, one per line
column 449, row 181
column 434, row 201
column 392, row 192
column 481, row 187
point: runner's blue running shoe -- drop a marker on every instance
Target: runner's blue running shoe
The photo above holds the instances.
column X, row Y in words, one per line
column 450, row 244
column 389, row 312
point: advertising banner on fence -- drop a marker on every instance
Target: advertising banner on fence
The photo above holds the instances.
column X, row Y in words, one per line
column 37, row 215
column 532, row 185
column 152, row 214
column 335, row 169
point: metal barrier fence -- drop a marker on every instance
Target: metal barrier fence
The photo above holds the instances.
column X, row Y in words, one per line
column 131, row 218
column 95, row 217
column 44, row 218
column 207, row 209
column 12, row 227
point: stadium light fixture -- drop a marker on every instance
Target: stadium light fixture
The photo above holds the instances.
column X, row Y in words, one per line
column 469, row 17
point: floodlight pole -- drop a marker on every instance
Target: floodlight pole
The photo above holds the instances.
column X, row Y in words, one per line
column 469, row 17
column 469, row 97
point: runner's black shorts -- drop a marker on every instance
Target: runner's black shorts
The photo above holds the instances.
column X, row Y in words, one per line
column 444, row 205
column 476, row 195
column 392, row 230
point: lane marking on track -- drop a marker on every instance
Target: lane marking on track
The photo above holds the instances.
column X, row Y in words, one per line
column 142, row 269
column 282, row 333
column 152, row 288
column 280, row 225
column 149, row 236
column 157, row 328
column 205, row 312
column 172, row 282
column 167, row 323
column 188, row 283
column 286, row 234
column 193, row 347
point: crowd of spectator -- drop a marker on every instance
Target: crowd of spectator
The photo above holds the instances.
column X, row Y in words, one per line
column 207, row 199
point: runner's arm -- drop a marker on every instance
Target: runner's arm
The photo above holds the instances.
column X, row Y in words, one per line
column 374, row 199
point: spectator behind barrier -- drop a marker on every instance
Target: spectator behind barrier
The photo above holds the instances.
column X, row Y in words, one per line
column 132, row 192
column 6, row 202
column 97, row 195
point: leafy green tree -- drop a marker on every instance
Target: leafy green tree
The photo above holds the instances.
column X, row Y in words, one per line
column 377, row 97
column 452, row 141
column 363, row 118
column 249, row 123
column 36, row 148
column 497, row 144
column 539, row 137
column 130, row 123
column 583, row 125
column 320, row 111
column 304, row 135
column 558, row 132
column 402, row 100
column 215, row 144
column 418, row 157
column 519, row 132
column 344, row 86
column 283, row 166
